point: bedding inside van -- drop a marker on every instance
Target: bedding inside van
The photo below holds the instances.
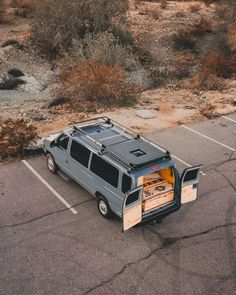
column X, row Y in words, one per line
column 158, row 188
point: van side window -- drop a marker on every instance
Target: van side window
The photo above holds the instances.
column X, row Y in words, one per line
column 132, row 198
column 63, row 141
column 126, row 183
column 80, row 153
column 104, row 170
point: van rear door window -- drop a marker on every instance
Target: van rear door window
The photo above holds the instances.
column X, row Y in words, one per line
column 132, row 198
column 80, row 153
column 126, row 183
column 104, row 170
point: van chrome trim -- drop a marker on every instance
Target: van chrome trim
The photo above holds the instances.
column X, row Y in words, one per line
column 87, row 174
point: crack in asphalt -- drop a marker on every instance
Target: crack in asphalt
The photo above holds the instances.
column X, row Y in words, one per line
column 45, row 215
column 165, row 243
column 218, row 164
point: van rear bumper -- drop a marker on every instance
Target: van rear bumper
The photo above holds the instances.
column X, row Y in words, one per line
column 162, row 212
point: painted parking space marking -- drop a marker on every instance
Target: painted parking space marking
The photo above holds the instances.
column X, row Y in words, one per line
column 181, row 161
column 50, row 187
column 227, row 118
column 185, row 163
column 209, row 138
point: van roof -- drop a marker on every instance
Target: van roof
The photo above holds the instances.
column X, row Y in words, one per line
column 117, row 141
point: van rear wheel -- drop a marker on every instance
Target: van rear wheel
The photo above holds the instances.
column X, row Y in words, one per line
column 104, row 208
column 52, row 166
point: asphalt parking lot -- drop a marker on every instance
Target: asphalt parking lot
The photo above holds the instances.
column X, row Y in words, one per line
column 53, row 240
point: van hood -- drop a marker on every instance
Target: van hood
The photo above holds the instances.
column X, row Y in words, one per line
column 52, row 137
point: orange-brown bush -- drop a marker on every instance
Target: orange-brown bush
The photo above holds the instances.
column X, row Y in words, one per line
column 15, row 135
column 59, row 22
column 217, row 64
column 203, row 81
column 95, row 84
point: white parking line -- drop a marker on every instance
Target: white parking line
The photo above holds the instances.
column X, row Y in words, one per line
column 209, row 138
column 50, row 188
column 178, row 159
column 185, row 163
column 229, row 119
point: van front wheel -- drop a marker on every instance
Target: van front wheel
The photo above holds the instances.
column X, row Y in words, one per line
column 52, row 166
column 103, row 207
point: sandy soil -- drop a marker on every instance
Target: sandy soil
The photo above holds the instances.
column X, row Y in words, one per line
column 169, row 108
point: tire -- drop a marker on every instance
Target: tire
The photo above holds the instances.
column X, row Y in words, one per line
column 104, row 208
column 52, row 166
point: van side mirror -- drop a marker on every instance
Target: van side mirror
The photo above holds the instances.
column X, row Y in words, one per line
column 53, row 143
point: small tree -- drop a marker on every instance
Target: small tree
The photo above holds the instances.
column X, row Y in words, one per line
column 15, row 135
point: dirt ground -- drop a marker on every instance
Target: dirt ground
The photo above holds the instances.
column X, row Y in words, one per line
column 159, row 108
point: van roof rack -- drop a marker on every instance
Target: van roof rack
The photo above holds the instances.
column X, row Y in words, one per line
column 118, row 141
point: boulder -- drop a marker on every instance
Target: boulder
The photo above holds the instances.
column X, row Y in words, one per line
column 16, row 73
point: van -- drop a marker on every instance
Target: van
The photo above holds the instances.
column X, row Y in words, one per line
column 129, row 175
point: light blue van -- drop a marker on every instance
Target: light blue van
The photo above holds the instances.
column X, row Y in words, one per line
column 129, row 175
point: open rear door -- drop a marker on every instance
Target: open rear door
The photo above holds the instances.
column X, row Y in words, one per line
column 132, row 208
column 189, row 184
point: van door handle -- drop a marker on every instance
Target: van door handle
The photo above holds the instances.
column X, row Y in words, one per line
column 66, row 161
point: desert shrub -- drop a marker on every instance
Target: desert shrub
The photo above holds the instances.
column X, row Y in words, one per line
column 3, row 7
column 208, row 110
column 203, row 81
column 153, row 12
column 185, row 39
column 182, row 64
column 15, row 135
column 23, row 8
column 232, row 37
column 195, row 7
column 58, row 22
column 163, row 4
column 227, row 11
column 159, row 76
column 103, row 47
column 123, row 35
column 143, row 49
column 96, row 84
column 179, row 14
column 218, row 64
